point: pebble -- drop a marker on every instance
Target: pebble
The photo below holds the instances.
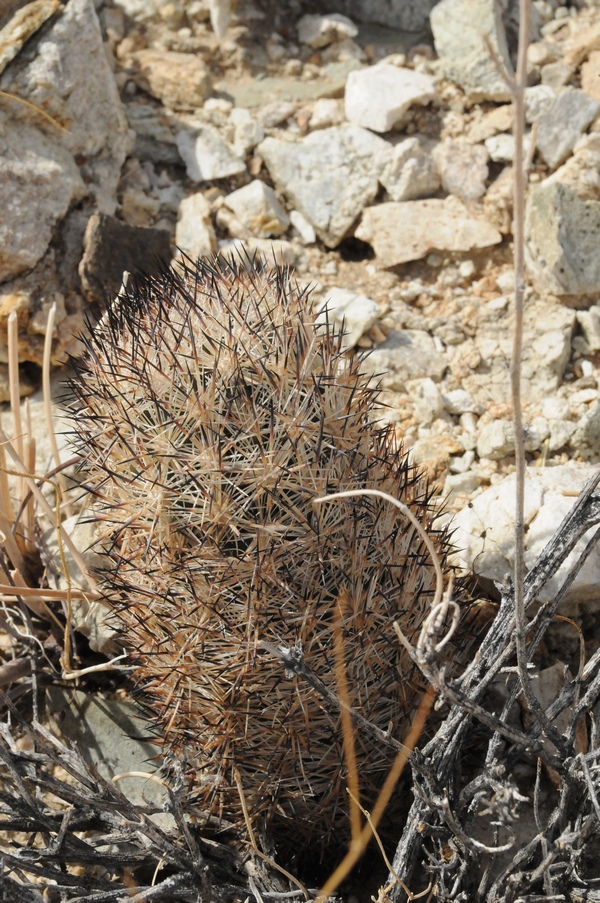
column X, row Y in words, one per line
column 559, row 127
column 356, row 313
column 318, row 31
column 257, row 208
column 406, row 354
column 379, row 97
column 194, row 234
column 176, row 79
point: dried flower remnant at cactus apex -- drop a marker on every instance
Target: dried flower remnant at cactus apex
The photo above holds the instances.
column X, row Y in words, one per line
column 210, row 413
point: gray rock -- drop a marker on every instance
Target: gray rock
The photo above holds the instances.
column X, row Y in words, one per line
column 463, row 168
column 407, row 15
column 319, row 31
column 561, row 432
column 356, row 313
column 561, row 240
column 39, row 180
column 194, row 234
column 154, row 135
column 207, row 156
column 562, row 124
column 484, row 531
column 379, row 97
column 538, row 100
column 496, row 440
column 458, row 27
column 58, row 79
column 330, row 176
column 257, row 208
column 115, row 737
column 457, row 485
column 406, row 354
column 410, row 171
column 410, row 230
column 247, row 131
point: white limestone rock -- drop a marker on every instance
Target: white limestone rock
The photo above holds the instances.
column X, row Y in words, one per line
column 257, row 208
column 484, row 532
column 379, row 97
column 355, row 312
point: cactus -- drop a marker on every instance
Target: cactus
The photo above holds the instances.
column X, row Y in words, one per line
column 210, row 412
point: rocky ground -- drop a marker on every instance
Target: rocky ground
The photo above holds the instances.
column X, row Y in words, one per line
column 375, row 161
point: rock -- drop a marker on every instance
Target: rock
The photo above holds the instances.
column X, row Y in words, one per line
column 463, row 168
column 326, row 112
column 589, row 320
column 39, row 180
column 561, row 245
column 406, row 354
column 257, row 208
column 318, row 31
column 356, row 312
column 410, row 230
column 459, row 485
column 458, row 402
column 154, row 134
column 581, row 172
column 30, row 296
column 496, row 440
column 276, row 113
column 562, row 124
column 107, row 731
column 247, row 131
column 92, row 619
column 111, row 247
column 330, row 176
column 429, row 403
column 501, row 148
column 56, row 78
column 207, row 156
column 194, row 234
column 410, row 171
column 303, row 228
column 406, row 15
column 458, row 27
column 590, row 76
column 484, row 531
column 179, row 80
column 379, row 97
column 561, row 432
column 587, row 431
column 538, row 100
column 498, row 202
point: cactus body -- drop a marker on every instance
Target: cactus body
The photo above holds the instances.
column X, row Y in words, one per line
column 210, row 413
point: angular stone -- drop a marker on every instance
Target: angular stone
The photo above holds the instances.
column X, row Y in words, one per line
column 57, row 79
column 176, row 79
column 410, row 171
column 410, row 230
column 207, row 156
column 330, row 176
column 561, row 240
column 458, row 28
column 463, row 168
column 39, row 180
column 379, row 97
column 356, row 313
column 111, row 247
column 562, row 124
column 257, row 208
column 194, row 234
column 406, row 354
column 319, row 31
